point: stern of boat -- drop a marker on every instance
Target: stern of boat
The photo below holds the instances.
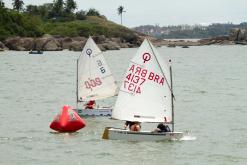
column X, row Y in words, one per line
column 106, row 133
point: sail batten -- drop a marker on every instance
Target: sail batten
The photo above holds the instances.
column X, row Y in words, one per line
column 95, row 80
column 145, row 94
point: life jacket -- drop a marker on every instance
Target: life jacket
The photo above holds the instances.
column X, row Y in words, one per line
column 164, row 128
column 90, row 104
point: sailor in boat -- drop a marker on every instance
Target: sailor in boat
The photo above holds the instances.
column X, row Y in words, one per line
column 162, row 127
column 90, row 104
column 133, row 125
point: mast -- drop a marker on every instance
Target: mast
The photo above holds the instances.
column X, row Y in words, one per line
column 77, row 83
column 172, row 97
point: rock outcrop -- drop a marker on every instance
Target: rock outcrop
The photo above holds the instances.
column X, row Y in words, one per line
column 56, row 43
column 3, row 47
column 236, row 36
column 19, row 44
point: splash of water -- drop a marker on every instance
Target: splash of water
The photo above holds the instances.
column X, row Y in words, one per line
column 188, row 136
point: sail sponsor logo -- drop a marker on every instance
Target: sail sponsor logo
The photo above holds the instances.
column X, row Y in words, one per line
column 146, row 57
column 92, row 83
column 89, row 52
column 137, row 76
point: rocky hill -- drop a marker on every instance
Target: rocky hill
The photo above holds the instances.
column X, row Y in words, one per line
column 22, row 31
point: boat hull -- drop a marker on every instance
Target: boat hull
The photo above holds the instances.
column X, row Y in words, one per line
column 122, row 134
column 94, row 112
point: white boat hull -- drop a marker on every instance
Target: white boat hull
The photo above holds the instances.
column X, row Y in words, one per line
column 122, row 134
column 94, row 112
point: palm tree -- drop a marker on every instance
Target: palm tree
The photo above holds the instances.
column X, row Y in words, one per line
column 1, row 4
column 70, row 6
column 120, row 12
column 18, row 5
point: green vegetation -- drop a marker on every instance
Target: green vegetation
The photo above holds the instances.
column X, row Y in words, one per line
column 13, row 23
column 92, row 25
column 57, row 18
column 18, row 5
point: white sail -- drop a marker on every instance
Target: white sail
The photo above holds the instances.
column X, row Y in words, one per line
column 95, row 80
column 145, row 94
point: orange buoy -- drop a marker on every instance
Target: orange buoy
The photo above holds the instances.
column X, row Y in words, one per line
column 67, row 121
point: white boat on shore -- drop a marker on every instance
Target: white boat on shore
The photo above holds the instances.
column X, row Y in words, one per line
column 94, row 80
column 146, row 95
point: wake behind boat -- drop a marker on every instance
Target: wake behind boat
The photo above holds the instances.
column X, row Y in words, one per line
column 146, row 95
column 94, row 80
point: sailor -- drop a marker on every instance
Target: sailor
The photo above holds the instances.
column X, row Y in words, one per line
column 161, row 127
column 90, row 104
column 133, row 125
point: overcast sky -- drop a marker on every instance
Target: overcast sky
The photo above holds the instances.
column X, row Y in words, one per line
column 163, row 12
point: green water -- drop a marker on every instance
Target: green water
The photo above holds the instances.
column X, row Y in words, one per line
column 211, row 102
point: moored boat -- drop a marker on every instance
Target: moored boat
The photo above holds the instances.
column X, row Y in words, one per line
column 35, row 52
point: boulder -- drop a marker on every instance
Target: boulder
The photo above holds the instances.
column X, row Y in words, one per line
column 19, row 44
column 79, row 39
column 124, row 45
column 52, row 44
column 2, row 47
column 99, row 39
column 110, row 46
column 116, row 40
column 66, row 42
column 77, row 45
column 101, row 47
column 48, row 44
column 40, row 42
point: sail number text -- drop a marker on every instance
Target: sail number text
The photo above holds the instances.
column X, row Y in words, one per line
column 101, row 67
column 137, row 76
column 91, row 83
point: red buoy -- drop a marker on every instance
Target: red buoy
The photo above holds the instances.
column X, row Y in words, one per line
column 67, row 121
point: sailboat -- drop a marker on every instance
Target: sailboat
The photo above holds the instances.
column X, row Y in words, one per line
column 146, row 95
column 94, row 80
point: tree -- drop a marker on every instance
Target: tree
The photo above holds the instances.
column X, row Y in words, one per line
column 18, row 5
column 2, row 4
column 58, row 7
column 81, row 15
column 120, row 12
column 32, row 9
column 46, row 10
column 70, row 6
column 93, row 12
